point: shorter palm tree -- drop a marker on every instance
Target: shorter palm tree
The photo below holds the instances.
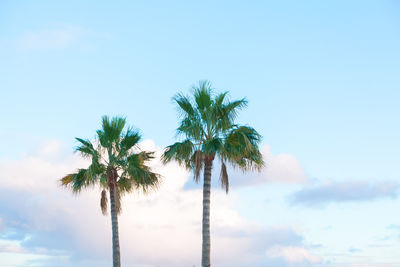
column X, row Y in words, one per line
column 117, row 165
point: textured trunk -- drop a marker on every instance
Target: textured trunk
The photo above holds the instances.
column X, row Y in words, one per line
column 115, row 236
column 205, row 255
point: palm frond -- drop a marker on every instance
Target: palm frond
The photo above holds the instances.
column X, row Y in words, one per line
column 129, row 140
column 111, row 131
column 185, row 105
column 77, row 181
column 146, row 156
column 230, row 109
column 145, row 180
column 86, row 148
column 226, row 113
column 67, row 179
column 203, row 98
column 219, row 99
column 241, row 148
column 213, row 145
column 243, row 137
column 191, row 128
column 180, row 151
column 139, row 174
column 125, row 184
column 103, row 181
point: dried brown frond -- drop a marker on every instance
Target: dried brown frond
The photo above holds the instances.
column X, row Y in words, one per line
column 104, row 202
column 224, row 177
column 66, row 180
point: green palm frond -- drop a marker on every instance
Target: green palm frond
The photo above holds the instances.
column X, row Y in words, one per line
column 129, row 140
column 241, row 148
column 243, row 136
column 147, row 181
column 203, row 96
column 76, row 181
column 126, row 184
column 182, row 152
column 226, row 114
column 185, row 105
column 213, row 146
column 219, row 99
column 139, row 175
column 86, row 148
column 191, row 128
column 111, row 131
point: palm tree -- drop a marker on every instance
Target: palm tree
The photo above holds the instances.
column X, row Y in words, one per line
column 208, row 131
column 117, row 166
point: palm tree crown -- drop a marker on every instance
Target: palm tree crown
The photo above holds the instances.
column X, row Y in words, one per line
column 208, row 129
column 115, row 161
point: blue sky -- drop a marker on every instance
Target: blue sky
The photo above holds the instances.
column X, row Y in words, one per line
column 322, row 82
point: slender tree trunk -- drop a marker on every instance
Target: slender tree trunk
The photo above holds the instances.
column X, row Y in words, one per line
column 115, row 235
column 205, row 255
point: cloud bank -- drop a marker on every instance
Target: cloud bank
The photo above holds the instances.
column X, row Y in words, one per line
column 159, row 229
column 351, row 191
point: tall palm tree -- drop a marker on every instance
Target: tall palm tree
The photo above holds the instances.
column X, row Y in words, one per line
column 208, row 131
column 117, row 166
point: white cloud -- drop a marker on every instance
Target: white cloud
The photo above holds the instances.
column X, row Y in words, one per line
column 294, row 254
column 283, row 168
column 280, row 168
column 162, row 228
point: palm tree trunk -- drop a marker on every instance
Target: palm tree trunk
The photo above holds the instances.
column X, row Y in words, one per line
column 205, row 255
column 115, row 235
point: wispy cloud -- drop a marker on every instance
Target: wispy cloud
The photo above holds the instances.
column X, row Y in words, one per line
column 350, row 191
column 393, row 227
column 354, row 250
column 58, row 38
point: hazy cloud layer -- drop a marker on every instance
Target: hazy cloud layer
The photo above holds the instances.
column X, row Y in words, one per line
column 350, row 191
column 162, row 228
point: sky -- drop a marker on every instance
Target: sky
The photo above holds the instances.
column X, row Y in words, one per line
column 323, row 86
